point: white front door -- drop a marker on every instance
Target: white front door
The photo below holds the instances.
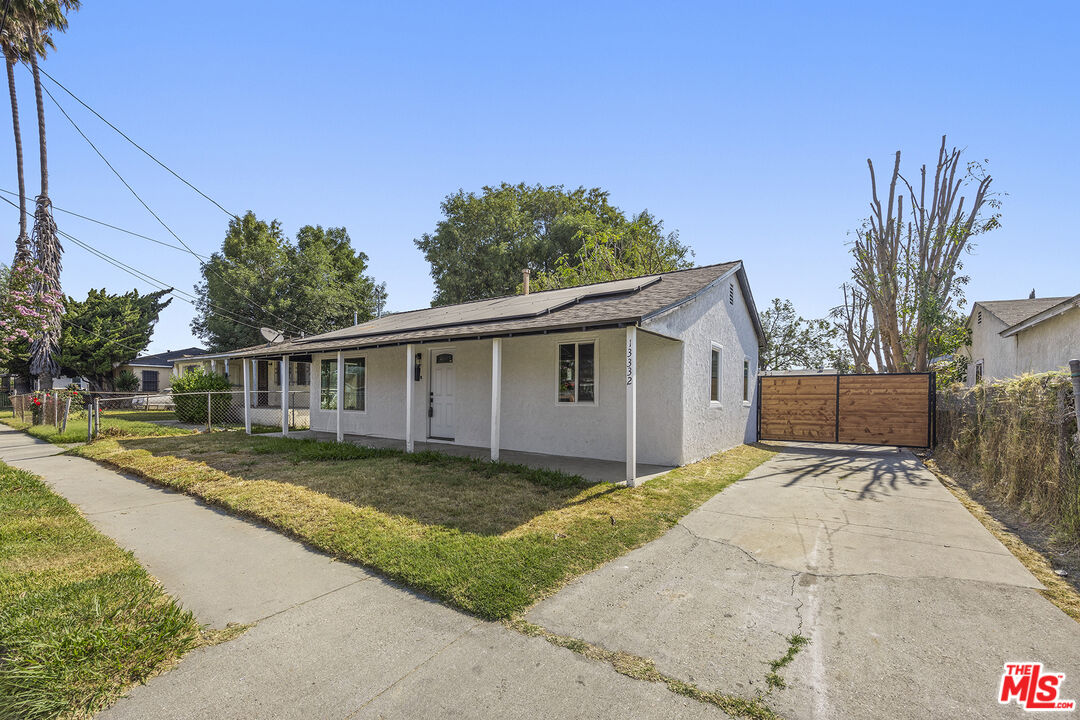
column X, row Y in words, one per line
column 441, row 395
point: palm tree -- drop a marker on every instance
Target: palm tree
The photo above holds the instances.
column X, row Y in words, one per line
column 14, row 48
column 40, row 19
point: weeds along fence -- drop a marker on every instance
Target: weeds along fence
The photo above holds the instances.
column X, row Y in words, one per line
column 206, row 410
column 1018, row 439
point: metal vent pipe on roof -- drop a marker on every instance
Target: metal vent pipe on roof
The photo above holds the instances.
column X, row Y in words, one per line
column 525, row 279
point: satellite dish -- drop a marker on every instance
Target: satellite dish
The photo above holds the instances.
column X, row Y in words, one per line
column 272, row 336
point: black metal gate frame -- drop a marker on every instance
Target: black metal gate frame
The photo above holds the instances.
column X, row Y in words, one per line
column 931, row 406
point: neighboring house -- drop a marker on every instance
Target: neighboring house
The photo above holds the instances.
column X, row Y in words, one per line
column 1013, row 337
column 155, row 371
column 659, row 369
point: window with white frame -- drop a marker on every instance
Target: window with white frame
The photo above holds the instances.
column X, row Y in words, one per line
column 746, row 379
column 716, row 372
column 355, row 384
column 978, row 372
column 328, row 385
column 577, row 372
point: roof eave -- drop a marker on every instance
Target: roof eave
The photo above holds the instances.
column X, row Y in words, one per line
column 1053, row 311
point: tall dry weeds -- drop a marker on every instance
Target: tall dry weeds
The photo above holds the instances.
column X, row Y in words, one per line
column 1019, row 438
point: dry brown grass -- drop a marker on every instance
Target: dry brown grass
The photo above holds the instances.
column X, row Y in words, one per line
column 489, row 538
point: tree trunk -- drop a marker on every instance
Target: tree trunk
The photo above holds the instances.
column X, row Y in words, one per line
column 47, row 253
column 44, row 158
column 22, row 243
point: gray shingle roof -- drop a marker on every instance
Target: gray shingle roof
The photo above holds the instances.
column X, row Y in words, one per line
column 609, row 303
column 166, row 359
column 1011, row 312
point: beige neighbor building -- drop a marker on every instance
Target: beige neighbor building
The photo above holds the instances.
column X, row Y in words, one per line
column 630, row 377
column 1013, row 337
column 155, row 371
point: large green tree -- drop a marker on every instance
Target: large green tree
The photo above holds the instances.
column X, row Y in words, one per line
column 631, row 249
column 485, row 240
column 260, row 278
column 105, row 330
column 794, row 343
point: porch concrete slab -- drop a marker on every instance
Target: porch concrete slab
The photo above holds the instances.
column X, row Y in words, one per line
column 493, row 673
column 593, row 470
column 912, row 607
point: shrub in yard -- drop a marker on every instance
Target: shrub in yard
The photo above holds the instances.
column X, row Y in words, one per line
column 126, row 381
column 192, row 408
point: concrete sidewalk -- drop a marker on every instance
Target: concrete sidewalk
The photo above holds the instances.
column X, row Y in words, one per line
column 331, row 640
column 911, row 605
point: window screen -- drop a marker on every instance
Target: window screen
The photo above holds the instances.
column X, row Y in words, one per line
column 714, row 393
column 150, row 380
column 745, row 380
column 355, row 384
column 577, row 372
column 328, row 385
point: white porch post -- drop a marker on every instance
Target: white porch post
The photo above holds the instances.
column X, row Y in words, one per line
column 340, row 396
column 247, row 396
column 213, row 365
column 226, row 363
column 631, row 405
column 285, row 395
column 496, row 396
column 408, row 397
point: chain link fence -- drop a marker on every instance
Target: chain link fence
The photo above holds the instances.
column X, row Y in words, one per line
column 117, row 413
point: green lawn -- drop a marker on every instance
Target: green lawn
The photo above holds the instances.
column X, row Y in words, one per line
column 80, row 620
column 114, row 423
column 489, row 538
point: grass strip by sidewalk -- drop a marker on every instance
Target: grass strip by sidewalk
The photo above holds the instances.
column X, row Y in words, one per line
column 525, row 532
column 1058, row 591
column 80, row 620
column 76, row 431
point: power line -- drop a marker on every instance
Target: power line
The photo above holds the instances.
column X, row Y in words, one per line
column 108, row 225
column 191, row 299
column 157, row 217
column 140, row 147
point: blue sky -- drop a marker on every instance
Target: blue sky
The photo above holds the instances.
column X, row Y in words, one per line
column 745, row 126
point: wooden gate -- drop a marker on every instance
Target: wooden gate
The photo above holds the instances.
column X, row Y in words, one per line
column 896, row 409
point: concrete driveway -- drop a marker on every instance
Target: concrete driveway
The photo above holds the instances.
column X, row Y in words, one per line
column 912, row 607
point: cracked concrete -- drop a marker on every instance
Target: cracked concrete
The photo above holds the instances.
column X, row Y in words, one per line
column 912, row 607
column 331, row 639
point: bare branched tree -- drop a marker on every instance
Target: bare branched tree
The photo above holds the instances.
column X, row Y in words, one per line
column 857, row 328
column 908, row 259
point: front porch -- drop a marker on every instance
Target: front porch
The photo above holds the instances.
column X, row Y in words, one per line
column 592, row 470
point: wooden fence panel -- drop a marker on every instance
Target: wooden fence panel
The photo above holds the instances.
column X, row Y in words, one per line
column 858, row 409
column 885, row 410
column 798, row 408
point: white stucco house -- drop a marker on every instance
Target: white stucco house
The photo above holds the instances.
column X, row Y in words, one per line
column 658, row 370
column 1013, row 337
